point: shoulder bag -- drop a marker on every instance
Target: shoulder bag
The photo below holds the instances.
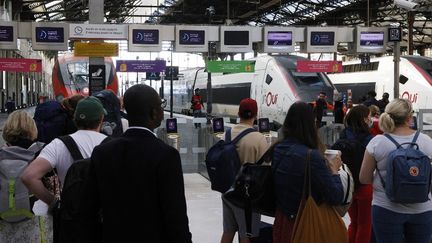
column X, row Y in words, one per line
column 317, row 223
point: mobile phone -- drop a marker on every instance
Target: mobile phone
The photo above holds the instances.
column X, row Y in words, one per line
column 171, row 125
column 263, row 125
column 218, row 125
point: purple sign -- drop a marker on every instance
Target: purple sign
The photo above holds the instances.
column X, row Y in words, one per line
column 279, row 38
column 372, row 38
column 143, row 36
column 140, row 66
column 6, row 33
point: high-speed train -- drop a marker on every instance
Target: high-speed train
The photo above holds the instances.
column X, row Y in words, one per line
column 275, row 85
column 70, row 76
column 415, row 80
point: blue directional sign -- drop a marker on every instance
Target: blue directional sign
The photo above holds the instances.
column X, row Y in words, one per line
column 50, row 34
column 145, row 36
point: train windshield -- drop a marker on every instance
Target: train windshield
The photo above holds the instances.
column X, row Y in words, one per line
column 423, row 63
column 317, row 80
column 76, row 73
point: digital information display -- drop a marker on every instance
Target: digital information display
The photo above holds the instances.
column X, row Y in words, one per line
column 238, row 38
column 171, row 125
column 50, row 34
column 371, row 38
column 145, row 36
column 218, row 125
column 191, row 37
column 279, row 38
column 6, row 33
column 322, row 38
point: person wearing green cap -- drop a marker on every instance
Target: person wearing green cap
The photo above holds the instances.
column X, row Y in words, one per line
column 88, row 117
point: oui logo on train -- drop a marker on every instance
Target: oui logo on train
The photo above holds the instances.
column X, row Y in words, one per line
column 411, row 97
column 270, row 98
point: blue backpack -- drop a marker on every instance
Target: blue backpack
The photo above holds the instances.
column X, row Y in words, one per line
column 50, row 119
column 223, row 162
column 408, row 176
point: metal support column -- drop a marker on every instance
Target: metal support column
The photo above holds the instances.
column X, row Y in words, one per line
column 96, row 16
column 396, row 60
column 410, row 32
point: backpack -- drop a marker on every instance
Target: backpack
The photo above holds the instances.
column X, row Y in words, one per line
column 352, row 153
column 15, row 200
column 50, row 119
column 408, row 175
column 223, row 162
column 66, row 220
column 112, row 125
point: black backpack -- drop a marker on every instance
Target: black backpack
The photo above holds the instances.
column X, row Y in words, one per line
column 66, row 224
column 112, row 125
column 352, row 149
column 50, row 119
column 223, row 162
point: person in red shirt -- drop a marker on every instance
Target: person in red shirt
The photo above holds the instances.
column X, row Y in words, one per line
column 375, row 113
column 197, row 105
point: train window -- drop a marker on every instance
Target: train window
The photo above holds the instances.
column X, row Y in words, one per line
column 422, row 63
column 360, row 67
column 269, row 79
column 307, row 79
column 402, row 79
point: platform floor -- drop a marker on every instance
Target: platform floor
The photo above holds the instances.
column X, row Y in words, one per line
column 204, row 209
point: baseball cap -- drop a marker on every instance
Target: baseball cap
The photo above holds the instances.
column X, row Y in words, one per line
column 89, row 109
column 248, row 108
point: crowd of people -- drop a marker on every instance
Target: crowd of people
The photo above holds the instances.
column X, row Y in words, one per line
column 137, row 175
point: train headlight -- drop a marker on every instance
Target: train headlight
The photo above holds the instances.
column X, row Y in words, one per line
column 86, row 91
column 59, row 98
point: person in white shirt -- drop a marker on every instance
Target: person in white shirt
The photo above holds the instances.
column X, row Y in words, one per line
column 88, row 118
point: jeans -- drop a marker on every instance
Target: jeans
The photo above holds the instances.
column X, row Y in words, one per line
column 392, row 227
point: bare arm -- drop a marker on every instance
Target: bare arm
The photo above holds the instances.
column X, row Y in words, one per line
column 32, row 176
column 367, row 168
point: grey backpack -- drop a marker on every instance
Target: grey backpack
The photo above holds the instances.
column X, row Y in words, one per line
column 14, row 196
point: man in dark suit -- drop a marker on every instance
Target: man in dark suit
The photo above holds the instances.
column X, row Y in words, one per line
column 137, row 181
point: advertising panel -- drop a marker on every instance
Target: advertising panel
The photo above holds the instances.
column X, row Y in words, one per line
column 20, row 65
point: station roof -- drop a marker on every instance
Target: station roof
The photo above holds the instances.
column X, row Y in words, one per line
column 243, row 12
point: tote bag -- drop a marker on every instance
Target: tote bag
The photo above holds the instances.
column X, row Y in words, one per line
column 317, row 223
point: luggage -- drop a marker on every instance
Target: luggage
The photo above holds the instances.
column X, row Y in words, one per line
column 112, row 125
column 408, row 177
column 223, row 162
column 50, row 118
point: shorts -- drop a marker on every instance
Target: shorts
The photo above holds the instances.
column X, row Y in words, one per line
column 234, row 220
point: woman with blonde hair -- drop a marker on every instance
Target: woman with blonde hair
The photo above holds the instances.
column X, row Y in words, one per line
column 394, row 221
column 18, row 223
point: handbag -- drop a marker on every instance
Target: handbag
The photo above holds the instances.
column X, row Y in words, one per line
column 254, row 185
column 317, row 223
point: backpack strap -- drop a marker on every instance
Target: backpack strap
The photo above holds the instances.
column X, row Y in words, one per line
column 393, row 140
column 241, row 135
column 72, row 147
column 228, row 135
column 415, row 137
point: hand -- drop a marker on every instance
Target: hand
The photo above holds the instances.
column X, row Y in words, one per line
column 334, row 164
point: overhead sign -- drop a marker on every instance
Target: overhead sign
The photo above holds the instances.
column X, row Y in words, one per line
column 279, row 39
column 98, row 31
column 50, row 36
column 235, row 39
column 191, row 38
column 370, row 40
column 96, row 78
column 364, row 59
column 320, row 39
column 140, row 66
column 230, row 66
column 172, row 72
column 96, row 49
column 20, row 65
column 395, row 34
column 153, row 76
column 144, row 38
column 306, row 66
column 8, row 36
